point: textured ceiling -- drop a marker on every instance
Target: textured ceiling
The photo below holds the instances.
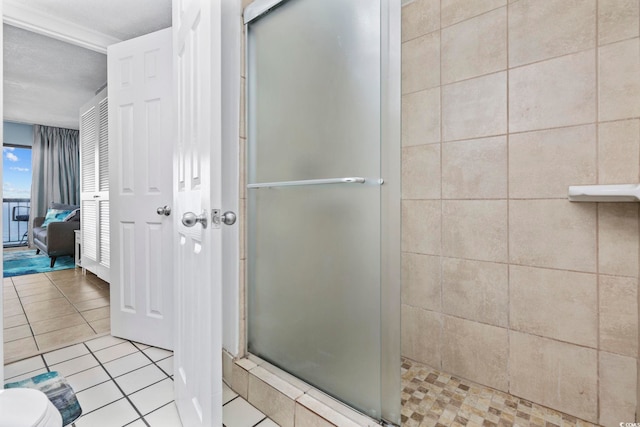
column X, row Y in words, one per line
column 46, row 81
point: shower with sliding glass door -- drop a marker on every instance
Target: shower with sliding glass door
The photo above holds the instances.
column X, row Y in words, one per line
column 323, row 190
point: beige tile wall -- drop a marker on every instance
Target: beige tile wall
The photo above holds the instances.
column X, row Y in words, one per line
column 505, row 104
column 506, row 283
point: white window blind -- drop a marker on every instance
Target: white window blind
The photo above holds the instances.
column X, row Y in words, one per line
column 103, row 146
column 89, row 223
column 105, row 253
column 88, row 143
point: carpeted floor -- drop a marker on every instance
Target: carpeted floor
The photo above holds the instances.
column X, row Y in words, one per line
column 19, row 263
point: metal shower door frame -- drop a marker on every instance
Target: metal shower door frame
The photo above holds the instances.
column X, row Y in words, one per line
column 390, row 182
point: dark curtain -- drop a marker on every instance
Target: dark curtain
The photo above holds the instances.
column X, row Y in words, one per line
column 55, row 161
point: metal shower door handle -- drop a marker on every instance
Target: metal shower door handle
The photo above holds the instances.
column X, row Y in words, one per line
column 189, row 219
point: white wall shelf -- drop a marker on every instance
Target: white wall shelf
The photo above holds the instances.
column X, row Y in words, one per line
column 605, row 193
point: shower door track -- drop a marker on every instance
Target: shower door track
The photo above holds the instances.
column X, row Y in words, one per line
column 259, row 8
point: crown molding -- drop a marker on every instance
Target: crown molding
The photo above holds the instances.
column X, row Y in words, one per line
column 31, row 19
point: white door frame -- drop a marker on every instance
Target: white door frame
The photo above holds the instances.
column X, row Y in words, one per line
column 231, row 92
column 231, row 76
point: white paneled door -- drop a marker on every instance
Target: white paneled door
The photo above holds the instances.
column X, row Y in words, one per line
column 141, row 118
column 197, row 191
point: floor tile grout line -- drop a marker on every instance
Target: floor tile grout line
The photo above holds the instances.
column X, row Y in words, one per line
column 236, row 396
column 33, row 335
column 66, row 360
column 72, row 304
column 145, row 354
column 52, row 365
column 53, row 282
column 157, row 409
column 95, row 385
column 133, row 370
column 44, row 360
column 29, row 372
column 111, row 377
column 135, row 408
column 89, row 323
column 138, row 345
column 104, row 348
column 118, row 358
column 46, row 365
column 113, row 380
column 10, row 380
column 265, row 417
column 147, row 386
column 107, row 404
column 163, row 371
column 18, row 326
column 73, row 358
column 154, row 361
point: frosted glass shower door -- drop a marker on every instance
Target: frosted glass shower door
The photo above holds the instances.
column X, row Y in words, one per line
column 318, row 268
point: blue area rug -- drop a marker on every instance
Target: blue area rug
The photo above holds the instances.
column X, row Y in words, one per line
column 58, row 391
column 19, row 263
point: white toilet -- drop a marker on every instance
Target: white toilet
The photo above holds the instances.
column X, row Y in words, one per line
column 25, row 407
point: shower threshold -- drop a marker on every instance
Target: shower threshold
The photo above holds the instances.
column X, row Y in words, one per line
column 431, row 398
column 286, row 399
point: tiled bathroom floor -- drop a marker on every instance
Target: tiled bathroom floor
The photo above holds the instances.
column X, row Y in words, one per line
column 48, row 310
column 122, row 383
column 432, row 398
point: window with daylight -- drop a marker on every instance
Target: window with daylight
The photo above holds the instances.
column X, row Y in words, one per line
column 16, row 196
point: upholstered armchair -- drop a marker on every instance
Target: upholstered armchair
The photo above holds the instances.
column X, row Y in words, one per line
column 57, row 238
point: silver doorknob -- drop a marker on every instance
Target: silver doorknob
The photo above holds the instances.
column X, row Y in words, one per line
column 229, row 218
column 189, row 219
column 166, row 211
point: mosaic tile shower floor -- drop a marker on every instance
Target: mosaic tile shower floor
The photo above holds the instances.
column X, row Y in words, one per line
column 431, row 398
